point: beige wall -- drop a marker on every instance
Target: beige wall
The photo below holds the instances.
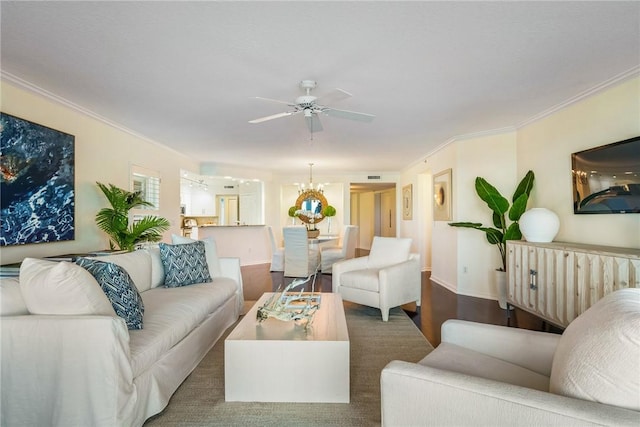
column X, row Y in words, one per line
column 102, row 153
column 459, row 259
column 462, row 260
column 546, row 146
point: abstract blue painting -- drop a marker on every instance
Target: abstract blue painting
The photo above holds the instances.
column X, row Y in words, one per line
column 37, row 192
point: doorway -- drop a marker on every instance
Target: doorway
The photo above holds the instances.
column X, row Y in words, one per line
column 373, row 210
column 228, row 212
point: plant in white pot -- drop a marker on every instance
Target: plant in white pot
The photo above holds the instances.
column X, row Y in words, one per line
column 502, row 212
column 293, row 214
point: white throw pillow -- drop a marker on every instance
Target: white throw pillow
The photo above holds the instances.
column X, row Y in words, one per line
column 50, row 287
column 136, row 263
column 210, row 250
column 598, row 355
column 387, row 251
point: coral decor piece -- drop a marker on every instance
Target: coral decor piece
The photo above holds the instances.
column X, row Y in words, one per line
column 288, row 306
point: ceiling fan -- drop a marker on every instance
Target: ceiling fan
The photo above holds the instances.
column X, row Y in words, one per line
column 311, row 106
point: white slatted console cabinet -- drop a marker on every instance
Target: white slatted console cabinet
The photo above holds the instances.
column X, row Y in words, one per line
column 558, row 281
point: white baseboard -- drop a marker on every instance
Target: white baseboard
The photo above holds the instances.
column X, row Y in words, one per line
column 452, row 288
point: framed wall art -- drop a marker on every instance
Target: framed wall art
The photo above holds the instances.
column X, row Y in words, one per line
column 37, row 183
column 407, row 202
column 442, row 196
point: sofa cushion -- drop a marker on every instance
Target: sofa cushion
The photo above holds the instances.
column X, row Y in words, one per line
column 61, row 288
column 366, row 280
column 184, row 264
column 119, row 288
column 157, row 269
column 11, row 301
column 455, row 358
column 210, row 251
column 137, row 264
column 171, row 314
column 598, row 355
column 387, row 251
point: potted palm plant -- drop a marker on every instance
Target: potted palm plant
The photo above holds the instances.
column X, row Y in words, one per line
column 115, row 220
column 502, row 230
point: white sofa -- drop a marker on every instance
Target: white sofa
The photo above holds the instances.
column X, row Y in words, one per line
column 488, row 375
column 90, row 370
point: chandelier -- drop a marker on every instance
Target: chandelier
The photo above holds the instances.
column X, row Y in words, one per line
column 310, row 188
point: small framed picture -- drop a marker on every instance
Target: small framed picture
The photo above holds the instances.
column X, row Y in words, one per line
column 407, row 202
column 442, row 196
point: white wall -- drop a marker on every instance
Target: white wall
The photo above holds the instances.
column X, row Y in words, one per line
column 420, row 227
column 102, row 153
column 477, row 259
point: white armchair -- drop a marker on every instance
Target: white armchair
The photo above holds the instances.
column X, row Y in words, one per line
column 332, row 254
column 388, row 277
column 487, row 375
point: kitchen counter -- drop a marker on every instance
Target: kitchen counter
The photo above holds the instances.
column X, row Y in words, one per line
column 250, row 243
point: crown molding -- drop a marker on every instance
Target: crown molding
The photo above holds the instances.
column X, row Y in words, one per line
column 615, row 80
column 472, row 135
column 30, row 87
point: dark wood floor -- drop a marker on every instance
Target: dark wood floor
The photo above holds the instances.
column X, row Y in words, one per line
column 440, row 304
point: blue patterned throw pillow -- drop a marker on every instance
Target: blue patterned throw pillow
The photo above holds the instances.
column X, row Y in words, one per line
column 119, row 288
column 184, row 264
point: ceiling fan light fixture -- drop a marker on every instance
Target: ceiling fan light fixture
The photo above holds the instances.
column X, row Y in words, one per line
column 310, row 106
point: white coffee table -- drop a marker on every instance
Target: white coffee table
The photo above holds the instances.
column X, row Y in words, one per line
column 276, row 361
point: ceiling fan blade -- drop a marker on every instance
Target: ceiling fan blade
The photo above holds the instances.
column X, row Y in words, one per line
column 274, row 116
column 351, row 115
column 333, row 97
column 313, row 123
column 275, row 100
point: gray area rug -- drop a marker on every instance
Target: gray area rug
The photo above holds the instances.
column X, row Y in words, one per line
column 200, row 399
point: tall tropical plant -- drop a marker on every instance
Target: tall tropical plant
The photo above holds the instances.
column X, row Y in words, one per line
column 115, row 220
column 502, row 209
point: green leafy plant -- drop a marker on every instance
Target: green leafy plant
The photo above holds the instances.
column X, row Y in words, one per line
column 115, row 220
column 502, row 209
column 329, row 211
column 292, row 211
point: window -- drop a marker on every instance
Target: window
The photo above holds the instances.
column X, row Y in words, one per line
column 147, row 183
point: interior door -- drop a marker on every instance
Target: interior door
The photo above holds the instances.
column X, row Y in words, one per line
column 227, row 209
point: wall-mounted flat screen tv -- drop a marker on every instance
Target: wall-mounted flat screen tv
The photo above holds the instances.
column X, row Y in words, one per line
column 606, row 179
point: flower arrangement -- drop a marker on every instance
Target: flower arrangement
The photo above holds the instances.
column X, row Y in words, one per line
column 312, row 218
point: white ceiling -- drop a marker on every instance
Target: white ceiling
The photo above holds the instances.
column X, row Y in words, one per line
column 183, row 73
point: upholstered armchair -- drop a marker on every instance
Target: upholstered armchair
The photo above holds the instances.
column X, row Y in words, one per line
column 487, row 375
column 388, row 277
column 331, row 254
column 300, row 259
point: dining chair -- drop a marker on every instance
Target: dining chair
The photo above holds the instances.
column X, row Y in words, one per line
column 347, row 250
column 277, row 252
column 300, row 259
